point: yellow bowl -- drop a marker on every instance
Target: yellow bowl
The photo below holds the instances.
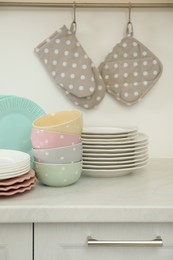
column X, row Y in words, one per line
column 69, row 121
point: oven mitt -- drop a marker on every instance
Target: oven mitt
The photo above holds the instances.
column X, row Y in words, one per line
column 67, row 62
column 94, row 99
column 130, row 71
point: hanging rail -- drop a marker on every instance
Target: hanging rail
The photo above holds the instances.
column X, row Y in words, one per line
column 87, row 5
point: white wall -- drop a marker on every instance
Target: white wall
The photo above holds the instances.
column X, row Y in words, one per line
column 22, row 74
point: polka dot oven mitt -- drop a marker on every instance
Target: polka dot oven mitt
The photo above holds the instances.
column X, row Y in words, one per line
column 130, row 71
column 71, row 68
column 93, row 100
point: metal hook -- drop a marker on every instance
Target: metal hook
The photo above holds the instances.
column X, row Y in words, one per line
column 129, row 29
column 130, row 12
column 74, row 12
column 74, row 25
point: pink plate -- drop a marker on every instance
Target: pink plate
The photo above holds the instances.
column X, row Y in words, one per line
column 20, row 190
column 16, row 186
column 21, row 178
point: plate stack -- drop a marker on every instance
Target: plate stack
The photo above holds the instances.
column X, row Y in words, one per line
column 113, row 151
column 15, row 173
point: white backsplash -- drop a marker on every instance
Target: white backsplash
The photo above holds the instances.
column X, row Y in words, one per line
column 98, row 30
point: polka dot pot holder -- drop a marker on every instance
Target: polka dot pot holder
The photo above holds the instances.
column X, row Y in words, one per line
column 72, row 69
column 130, row 70
column 92, row 100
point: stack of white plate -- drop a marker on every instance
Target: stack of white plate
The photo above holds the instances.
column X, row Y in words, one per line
column 113, row 151
column 13, row 164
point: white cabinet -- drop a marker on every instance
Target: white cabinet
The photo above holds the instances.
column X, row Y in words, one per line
column 69, row 241
column 16, row 242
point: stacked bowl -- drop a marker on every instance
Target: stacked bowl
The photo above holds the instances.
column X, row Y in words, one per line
column 57, row 147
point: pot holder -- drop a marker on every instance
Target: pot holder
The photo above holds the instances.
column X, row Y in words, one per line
column 92, row 100
column 69, row 65
column 130, row 70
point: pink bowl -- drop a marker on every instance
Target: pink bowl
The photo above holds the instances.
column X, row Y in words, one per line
column 42, row 139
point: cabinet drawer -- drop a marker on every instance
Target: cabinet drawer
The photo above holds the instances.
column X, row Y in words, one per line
column 70, row 241
column 16, row 242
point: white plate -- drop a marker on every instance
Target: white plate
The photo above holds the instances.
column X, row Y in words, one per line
column 14, row 174
column 115, row 155
column 12, row 157
column 109, row 136
column 138, row 139
column 15, row 169
column 111, row 173
column 116, row 158
column 109, row 130
column 18, row 169
column 121, row 146
column 113, row 166
column 114, row 162
column 114, row 151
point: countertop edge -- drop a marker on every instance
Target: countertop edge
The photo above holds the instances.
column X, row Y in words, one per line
column 85, row 215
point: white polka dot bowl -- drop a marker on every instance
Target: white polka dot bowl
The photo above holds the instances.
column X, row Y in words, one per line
column 58, row 175
column 43, row 139
column 69, row 121
column 68, row 154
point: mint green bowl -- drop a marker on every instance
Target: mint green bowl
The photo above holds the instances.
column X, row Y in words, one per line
column 58, row 175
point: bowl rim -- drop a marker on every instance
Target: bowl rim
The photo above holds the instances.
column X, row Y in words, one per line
column 56, row 148
column 57, row 125
column 58, row 164
column 54, row 132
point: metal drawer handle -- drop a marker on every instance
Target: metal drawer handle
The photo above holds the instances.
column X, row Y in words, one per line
column 157, row 242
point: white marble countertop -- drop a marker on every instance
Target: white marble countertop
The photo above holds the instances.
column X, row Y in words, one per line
column 143, row 196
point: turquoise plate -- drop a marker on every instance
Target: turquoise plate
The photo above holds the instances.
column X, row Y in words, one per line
column 16, row 117
column 2, row 96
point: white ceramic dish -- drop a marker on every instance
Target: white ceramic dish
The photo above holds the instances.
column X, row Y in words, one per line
column 14, row 174
column 111, row 172
column 114, row 162
column 116, row 158
column 138, row 139
column 109, row 136
column 113, row 166
column 15, row 170
column 106, row 146
column 109, row 130
column 114, row 151
column 116, row 154
column 11, row 158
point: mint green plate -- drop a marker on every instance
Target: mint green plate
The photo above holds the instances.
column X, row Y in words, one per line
column 16, row 117
column 2, row 96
